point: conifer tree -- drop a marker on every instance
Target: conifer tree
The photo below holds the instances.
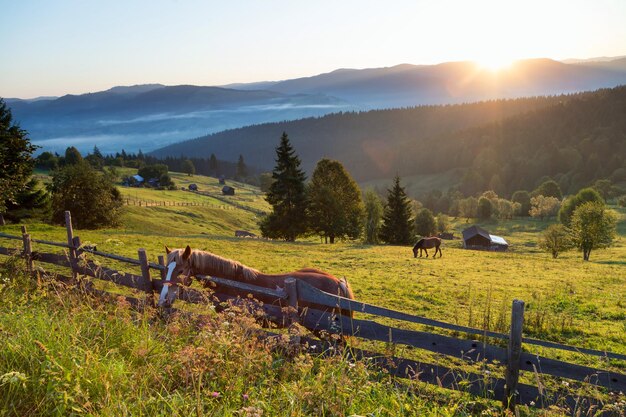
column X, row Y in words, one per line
column 16, row 163
column 213, row 166
column 287, row 196
column 397, row 227
column 242, row 169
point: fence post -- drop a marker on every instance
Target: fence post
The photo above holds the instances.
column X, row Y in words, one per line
column 162, row 263
column 291, row 288
column 28, row 251
column 513, row 355
column 70, row 243
column 145, row 273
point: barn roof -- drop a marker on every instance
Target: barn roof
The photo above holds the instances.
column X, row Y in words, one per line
column 138, row 178
column 498, row 240
column 475, row 230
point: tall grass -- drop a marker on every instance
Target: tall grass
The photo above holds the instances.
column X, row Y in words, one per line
column 64, row 353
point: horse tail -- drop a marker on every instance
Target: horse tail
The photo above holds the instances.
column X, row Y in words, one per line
column 346, row 290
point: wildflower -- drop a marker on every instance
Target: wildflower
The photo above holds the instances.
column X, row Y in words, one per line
column 565, row 383
column 215, row 394
column 245, row 397
column 532, row 403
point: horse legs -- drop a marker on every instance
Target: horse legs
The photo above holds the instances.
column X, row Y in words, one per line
column 438, row 249
column 426, row 250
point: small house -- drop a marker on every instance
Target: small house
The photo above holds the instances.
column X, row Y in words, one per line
column 193, row 187
column 136, row 180
column 476, row 237
column 227, row 190
column 154, row 182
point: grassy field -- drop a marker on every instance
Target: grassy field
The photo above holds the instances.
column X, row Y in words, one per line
column 567, row 300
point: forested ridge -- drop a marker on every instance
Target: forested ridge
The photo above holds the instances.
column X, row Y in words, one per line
column 501, row 144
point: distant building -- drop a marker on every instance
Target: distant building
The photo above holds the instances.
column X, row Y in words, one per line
column 222, row 179
column 135, row 180
column 244, row 233
column 227, row 190
column 193, row 187
column 478, row 238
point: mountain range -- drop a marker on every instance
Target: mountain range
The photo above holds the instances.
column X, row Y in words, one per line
column 152, row 116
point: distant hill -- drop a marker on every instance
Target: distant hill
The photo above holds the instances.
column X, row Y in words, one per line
column 454, row 82
column 502, row 144
column 153, row 115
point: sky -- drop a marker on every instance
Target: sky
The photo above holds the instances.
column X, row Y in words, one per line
column 76, row 46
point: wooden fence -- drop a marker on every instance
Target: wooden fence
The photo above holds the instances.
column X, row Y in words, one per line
column 480, row 351
column 165, row 203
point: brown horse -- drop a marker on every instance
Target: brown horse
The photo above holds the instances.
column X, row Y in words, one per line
column 428, row 243
column 195, row 262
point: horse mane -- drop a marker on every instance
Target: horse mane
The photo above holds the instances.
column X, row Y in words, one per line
column 206, row 263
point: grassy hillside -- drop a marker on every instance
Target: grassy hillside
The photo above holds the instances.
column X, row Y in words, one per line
column 102, row 359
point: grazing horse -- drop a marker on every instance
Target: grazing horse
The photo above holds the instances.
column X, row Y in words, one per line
column 427, row 243
column 195, row 262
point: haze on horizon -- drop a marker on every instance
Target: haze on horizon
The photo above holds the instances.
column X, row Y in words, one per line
column 72, row 46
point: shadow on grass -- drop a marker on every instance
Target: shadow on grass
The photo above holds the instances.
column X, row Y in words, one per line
column 612, row 262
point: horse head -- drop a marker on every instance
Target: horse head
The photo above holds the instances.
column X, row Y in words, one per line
column 417, row 246
column 183, row 269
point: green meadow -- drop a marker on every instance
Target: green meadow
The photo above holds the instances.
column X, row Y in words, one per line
column 87, row 363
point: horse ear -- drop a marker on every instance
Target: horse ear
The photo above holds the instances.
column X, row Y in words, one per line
column 186, row 253
column 167, row 250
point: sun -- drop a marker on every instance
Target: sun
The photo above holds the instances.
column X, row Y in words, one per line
column 494, row 63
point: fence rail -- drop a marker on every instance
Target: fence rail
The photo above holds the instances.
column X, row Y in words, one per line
column 331, row 320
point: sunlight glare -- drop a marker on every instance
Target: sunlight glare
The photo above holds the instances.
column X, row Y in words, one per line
column 494, row 63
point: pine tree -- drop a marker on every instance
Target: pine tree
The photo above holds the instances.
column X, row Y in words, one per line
column 335, row 206
column 16, row 163
column 242, row 169
column 397, row 227
column 287, row 196
column 31, row 203
column 213, row 166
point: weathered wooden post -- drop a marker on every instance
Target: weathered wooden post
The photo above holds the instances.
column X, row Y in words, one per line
column 146, row 285
column 291, row 288
column 70, row 243
column 28, row 251
column 162, row 263
column 2, row 223
column 514, row 352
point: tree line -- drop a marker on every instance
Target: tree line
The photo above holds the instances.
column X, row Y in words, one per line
column 499, row 145
column 331, row 204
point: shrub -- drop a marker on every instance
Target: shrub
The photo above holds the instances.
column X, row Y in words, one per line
column 87, row 193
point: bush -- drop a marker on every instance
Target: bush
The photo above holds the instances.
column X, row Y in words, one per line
column 485, row 208
column 87, row 193
column 425, row 223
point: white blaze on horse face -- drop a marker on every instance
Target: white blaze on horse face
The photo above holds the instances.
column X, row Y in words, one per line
column 170, row 269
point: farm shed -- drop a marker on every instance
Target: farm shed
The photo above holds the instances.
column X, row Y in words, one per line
column 138, row 179
column 478, row 238
column 226, row 190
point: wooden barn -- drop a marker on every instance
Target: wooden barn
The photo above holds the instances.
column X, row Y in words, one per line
column 227, row 190
column 478, row 238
